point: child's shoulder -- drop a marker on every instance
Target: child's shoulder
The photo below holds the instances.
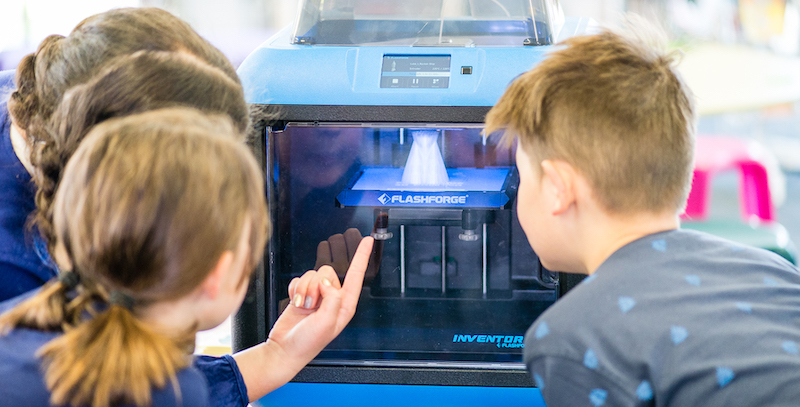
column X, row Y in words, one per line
column 661, row 275
column 665, row 254
column 23, row 383
column 193, row 390
column 6, row 85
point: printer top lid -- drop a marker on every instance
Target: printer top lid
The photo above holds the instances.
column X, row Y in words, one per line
column 427, row 22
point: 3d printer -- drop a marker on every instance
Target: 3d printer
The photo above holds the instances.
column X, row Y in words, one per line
column 377, row 124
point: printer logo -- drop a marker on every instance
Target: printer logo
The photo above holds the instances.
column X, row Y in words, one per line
column 501, row 341
column 422, row 199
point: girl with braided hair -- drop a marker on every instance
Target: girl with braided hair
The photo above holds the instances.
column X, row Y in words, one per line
column 28, row 146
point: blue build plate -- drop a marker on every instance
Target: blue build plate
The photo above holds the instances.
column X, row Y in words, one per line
column 386, row 395
column 478, row 188
column 461, row 179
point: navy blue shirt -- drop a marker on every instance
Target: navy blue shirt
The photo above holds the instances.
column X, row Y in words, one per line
column 21, row 268
column 677, row 318
column 23, row 383
column 225, row 383
column 209, row 381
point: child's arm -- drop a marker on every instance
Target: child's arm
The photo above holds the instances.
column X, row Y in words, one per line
column 306, row 326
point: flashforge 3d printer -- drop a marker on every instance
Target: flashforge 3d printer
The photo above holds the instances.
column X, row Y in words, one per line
column 377, row 118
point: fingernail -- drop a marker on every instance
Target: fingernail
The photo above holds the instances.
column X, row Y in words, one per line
column 307, row 304
column 298, row 300
column 325, row 281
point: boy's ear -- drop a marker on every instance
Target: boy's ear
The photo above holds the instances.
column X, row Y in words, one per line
column 213, row 282
column 560, row 177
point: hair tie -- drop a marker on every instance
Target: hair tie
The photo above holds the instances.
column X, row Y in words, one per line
column 121, row 299
column 69, row 279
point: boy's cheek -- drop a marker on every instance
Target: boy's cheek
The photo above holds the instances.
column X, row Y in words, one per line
column 532, row 218
column 526, row 206
column 522, row 215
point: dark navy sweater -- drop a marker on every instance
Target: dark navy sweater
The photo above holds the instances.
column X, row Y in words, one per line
column 21, row 268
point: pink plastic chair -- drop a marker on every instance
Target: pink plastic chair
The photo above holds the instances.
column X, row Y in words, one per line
column 719, row 153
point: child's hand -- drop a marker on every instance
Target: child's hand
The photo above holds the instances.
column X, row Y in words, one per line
column 320, row 307
column 301, row 332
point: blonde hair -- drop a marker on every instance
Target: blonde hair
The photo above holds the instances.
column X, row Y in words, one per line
column 612, row 106
column 148, row 205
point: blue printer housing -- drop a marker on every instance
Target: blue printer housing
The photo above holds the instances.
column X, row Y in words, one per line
column 282, row 73
column 458, row 284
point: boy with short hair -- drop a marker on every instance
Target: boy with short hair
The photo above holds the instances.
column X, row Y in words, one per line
column 667, row 317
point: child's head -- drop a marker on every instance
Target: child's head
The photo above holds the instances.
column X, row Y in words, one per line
column 129, row 84
column 155, row 209
column 62, row 62
column 610, row 109
column 613, row 107
column 149, row 202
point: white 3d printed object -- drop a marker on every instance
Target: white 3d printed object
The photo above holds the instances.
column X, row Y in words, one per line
column 425, row 165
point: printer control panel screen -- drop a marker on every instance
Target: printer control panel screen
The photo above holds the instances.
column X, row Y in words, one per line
column 415, row 71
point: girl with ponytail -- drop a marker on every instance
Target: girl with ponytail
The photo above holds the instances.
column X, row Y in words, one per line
column 151, row 255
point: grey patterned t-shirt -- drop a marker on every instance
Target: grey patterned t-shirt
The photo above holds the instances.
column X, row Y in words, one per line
column 677, row 318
